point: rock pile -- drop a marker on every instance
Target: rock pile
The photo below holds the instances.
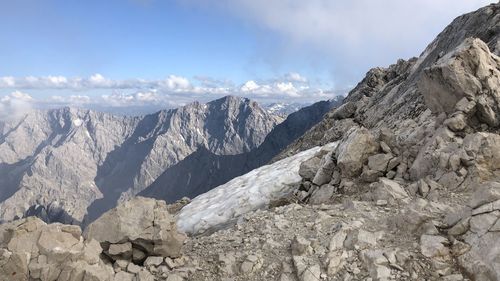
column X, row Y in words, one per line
column 33, row 250
column 136, row 241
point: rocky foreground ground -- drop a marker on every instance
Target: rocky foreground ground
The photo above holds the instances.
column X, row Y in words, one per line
column 405, row 186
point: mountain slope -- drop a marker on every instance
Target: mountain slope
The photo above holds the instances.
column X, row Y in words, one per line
column 79, row 159
column 204, row 170
column 410, row 191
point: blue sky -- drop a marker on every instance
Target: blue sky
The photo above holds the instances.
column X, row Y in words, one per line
column 170, row 52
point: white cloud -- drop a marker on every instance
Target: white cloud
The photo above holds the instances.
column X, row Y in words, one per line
column 174, row 82
column 277, row 89
column 15, row 105
column 95, row 81
column 295, row 77
column 97, row 91
column 249, row 86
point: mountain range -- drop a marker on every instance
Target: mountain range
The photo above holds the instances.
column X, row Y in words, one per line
column 71, row 165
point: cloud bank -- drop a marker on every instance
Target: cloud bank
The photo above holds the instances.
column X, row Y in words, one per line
column 15, row 105
column 172, row 91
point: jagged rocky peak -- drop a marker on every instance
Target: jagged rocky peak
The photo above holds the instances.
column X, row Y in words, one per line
column 87, row 161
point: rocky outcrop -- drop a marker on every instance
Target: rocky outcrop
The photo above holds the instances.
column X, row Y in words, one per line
column 33, row 250
column 136, row 229
column 409, row 147
column 137, row 241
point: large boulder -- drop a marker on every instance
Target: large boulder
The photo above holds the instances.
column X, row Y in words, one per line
column 354, row 150
column 470, row 71
column 144, row 222
column 480, row 232
column 484, row 150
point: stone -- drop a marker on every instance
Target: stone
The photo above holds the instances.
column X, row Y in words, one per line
column 312, row 273
column 150, row 226
column 433, row 246
column 485, row 193
column 301, row 246
column 379, row 162
column 480, row 259
column 227, row 263
column 59, row 246
column 389, row 190
column 325, row 171
column 145, row 275
column 466, row 72
column 153, row 261
column 481, row 224
column 423, row 188
column 322, row 194
column 138, row 255
column 337, row 241
column 370, row 175
column 124, row 276
column 466, row 106
column 354, row 150
column 124, row 249
column 122, row 264
column 132, row 268
column 385, row 148
column 485, row 147
column 309, row 168
column 460, row 228
column 457, row 122
column 393, row 163
column 375, row 261
column 344, row 111
column 174, row 277
column 362, row 239
column 251, row 263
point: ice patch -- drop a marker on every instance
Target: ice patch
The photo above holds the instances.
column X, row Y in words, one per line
column 241, row 195
column 77, row 122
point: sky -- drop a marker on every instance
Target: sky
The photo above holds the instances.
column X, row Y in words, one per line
column 151, row 54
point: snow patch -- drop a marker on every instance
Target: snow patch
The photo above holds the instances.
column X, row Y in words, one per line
column 77, row 122
column 241, row 195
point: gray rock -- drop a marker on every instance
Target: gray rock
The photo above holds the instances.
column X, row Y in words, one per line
column 149, row 225
column 31, row 249
column 466, row 72
column 309, row 168
column 386, row 189
column 379, row 162
column 485, row 193
column 354, row 150
column 124, row 249
column 322, row 194
column 344, row 111
column 153, row 261
column 325, row 171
